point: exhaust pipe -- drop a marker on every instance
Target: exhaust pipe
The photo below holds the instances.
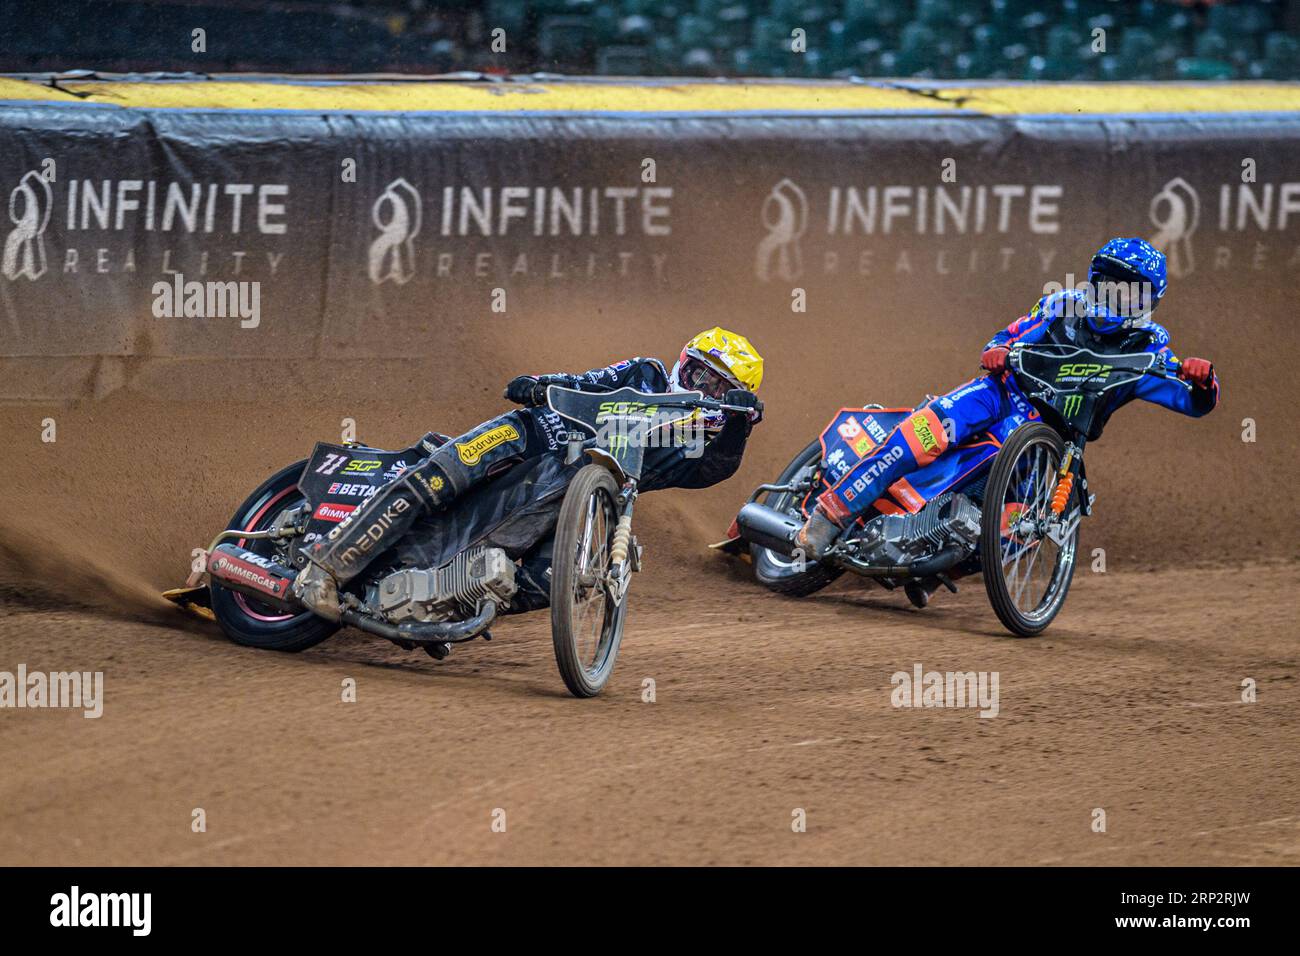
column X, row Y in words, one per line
column 768, row 528
column 240, row 570
column 424, row 633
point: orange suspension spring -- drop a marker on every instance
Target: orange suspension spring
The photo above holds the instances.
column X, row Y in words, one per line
column 1062, row 495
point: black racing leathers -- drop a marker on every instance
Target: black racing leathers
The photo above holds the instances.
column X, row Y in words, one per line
column 499, row 444
column 673, row 466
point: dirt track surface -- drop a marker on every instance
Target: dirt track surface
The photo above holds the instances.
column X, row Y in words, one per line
column 763, row 705
column 1130, row 703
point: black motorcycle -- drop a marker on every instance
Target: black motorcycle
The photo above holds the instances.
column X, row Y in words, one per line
column 1009, row 510
column 555, row 530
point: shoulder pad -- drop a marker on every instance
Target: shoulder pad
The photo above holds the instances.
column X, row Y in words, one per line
column 1067, row 302
column 1159, row 334
column 654, row 362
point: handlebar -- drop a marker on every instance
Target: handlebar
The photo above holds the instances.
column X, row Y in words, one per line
column 1159, row 370
column 714, row 404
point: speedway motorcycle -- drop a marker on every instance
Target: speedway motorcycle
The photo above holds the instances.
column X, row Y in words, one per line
column 568, row 517
column 1010, row 510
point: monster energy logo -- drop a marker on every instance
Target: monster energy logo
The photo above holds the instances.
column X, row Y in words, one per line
column 1072, row 405
column 618, row 445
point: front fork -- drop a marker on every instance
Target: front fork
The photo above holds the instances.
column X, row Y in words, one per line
column 1065, row 476
column 1071, row 470
column 625, row 552
column 1056, row 523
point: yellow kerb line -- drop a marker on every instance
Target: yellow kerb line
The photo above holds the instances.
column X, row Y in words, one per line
column 665, row 97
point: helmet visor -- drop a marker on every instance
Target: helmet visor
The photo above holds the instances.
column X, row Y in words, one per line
column 1122, row 293
column 697, row 376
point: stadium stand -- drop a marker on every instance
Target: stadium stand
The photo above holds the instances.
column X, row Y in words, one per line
column 940, row 39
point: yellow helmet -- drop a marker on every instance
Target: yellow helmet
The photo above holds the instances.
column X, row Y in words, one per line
column 726, row 353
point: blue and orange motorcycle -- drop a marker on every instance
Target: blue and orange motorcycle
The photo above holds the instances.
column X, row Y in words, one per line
column 1007, row 508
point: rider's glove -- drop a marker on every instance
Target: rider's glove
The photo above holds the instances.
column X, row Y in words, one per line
column 526, row 390
column 746, row 399
column 1198, row 371
column 740, row 396
column 994, row 360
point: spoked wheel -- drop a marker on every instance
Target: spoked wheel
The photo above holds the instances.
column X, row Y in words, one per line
column 246, row 620
column 1027, row 551
column 776, row 571
column 586, row 618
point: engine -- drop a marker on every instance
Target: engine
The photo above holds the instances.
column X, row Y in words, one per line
column 451, row 592
column 950, row 520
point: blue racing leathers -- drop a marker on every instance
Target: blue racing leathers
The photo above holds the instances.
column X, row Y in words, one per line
column 997, row 405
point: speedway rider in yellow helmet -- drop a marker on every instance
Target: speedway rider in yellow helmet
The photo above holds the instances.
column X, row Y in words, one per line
column 721, row 364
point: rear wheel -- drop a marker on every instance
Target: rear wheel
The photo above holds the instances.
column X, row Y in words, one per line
column 1027, row 552
column 779, row 572
column 586, row 620
column 246, row 620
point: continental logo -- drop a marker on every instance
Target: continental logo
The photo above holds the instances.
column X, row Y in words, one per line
column 1083, row 370
column 924, row 434
column 472, row 451
column 363, row 466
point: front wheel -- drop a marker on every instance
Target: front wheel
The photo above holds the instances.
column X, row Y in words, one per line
column 1026, row 550
column 246, row 620
column 586, row 620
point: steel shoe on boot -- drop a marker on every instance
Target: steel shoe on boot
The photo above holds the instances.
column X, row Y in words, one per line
column 316, row 589
column 918, row 592
column 817, row 535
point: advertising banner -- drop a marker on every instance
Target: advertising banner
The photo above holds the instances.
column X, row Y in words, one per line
column 302, row 235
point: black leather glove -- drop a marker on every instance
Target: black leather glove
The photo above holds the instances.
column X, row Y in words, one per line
column 740, row 396
column 526, row 390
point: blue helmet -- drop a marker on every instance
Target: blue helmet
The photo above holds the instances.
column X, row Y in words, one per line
column 1128, row 279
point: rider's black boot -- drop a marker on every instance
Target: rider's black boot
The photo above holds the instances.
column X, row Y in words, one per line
column 817, row 535
column 380, row 522
column 918, row 591
column 371, row 529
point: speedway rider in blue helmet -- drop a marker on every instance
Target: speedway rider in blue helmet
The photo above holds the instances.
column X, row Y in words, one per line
column 1126, row 281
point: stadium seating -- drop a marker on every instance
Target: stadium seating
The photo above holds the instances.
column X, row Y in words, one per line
column 944, row 39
